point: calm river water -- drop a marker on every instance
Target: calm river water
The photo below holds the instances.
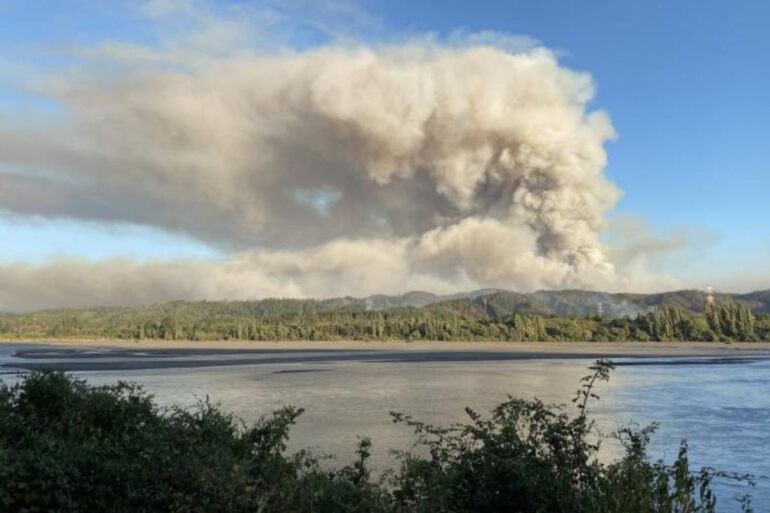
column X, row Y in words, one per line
column 721, row 406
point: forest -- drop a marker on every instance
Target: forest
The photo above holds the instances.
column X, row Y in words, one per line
column 488, row 318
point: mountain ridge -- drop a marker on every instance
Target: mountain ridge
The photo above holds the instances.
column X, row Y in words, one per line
column 487, row 302
column 578, row 302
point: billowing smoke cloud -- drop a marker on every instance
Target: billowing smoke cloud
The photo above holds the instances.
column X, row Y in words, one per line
column 341, row 170
column 349, row 267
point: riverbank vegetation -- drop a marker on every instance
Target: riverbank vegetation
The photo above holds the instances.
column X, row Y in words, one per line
column 69, row 446
column 457, row 320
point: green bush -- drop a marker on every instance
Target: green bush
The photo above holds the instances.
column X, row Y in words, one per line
column 66, row 446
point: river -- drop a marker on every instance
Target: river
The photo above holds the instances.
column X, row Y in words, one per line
column 721, row 405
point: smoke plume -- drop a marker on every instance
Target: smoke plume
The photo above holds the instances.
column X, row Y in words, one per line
column 339, row 170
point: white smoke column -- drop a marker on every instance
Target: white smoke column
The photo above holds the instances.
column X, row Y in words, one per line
column 462, row 166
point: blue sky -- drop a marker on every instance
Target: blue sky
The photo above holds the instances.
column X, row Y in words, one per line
column 685, row 83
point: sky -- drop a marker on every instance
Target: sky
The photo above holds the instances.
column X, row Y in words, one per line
column 673, row 195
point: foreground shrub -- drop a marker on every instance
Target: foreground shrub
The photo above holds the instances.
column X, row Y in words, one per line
column 67, row 446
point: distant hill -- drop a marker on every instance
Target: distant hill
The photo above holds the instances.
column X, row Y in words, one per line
column 758, row 301
column 497, row 303
column 483, row 303
column 416, row 298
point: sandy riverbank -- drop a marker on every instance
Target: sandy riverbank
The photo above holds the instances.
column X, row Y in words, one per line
column 643, row 349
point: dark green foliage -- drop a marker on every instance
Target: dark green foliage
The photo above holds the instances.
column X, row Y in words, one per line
column 731, row 322
column 494, row 317
column 532, row 457
column 66, row 446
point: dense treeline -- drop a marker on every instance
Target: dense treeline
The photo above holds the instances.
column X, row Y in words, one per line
column 305, row 320
column 68, row 446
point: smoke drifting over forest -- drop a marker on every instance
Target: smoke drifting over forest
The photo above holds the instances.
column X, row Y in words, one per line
column 339, row 170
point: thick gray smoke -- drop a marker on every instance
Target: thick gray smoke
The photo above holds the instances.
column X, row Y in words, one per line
column 343, row 170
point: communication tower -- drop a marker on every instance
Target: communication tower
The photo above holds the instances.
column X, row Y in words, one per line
column 600, row 310
column 710, row 298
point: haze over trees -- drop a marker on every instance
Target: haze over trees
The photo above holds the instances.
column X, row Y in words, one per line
column 495, row 315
